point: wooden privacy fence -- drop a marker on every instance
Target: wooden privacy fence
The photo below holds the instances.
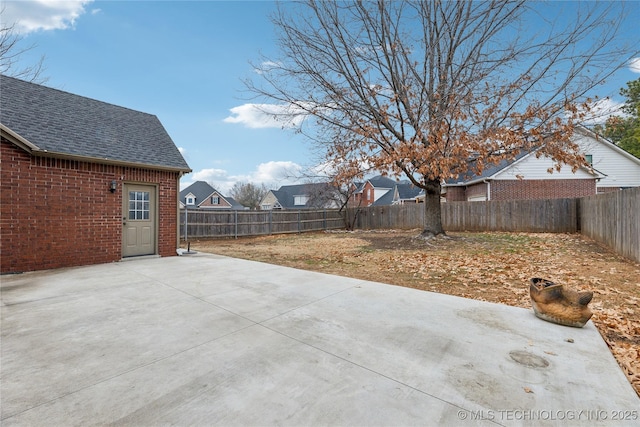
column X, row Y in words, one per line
column 613, row 219
column 202, row 223
column 555, row 216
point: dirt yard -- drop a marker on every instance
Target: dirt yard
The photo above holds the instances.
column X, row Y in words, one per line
column 492, row 267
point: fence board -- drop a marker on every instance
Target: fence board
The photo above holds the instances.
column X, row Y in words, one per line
column 614, row 219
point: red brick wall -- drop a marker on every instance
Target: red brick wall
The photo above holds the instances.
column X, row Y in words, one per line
column 476, row 190
column 456, row 194
column 59, row 213
column 542, row 189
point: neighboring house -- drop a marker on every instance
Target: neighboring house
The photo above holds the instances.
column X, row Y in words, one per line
column 619, row 169
column 526, row 177
column 382, row 191
column 403, row 192
column 302, row 196
column 83, row 181
column 368, row 192
column 201, row 195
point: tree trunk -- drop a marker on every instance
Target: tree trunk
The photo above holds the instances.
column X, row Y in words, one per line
column 432, row 210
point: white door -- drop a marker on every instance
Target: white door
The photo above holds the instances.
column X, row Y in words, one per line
column 138, row 220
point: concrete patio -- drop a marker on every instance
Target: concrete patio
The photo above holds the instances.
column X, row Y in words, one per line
column 209, row 340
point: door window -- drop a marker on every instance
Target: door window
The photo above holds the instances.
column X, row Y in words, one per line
column 138, row 205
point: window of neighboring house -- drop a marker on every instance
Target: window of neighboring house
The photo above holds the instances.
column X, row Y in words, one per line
column 191, row 200
column 589, row 158
column 300, row 200
column 215, row 200
column 265, row 207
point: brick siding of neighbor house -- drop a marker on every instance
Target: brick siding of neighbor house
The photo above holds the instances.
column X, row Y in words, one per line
column 456, row 194
column 60, row 213
column 542, row 189
column 476, row 190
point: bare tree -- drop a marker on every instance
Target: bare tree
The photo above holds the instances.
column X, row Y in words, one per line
column 434, row 89
column 248, row 194
column 11, row 50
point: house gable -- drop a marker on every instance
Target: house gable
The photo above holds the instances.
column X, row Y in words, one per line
column 215, row 200
column 301, row 196
column 201, row 195
column 270, row 201
column 619, row 168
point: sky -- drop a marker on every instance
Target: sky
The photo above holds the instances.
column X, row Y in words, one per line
column 184, row 62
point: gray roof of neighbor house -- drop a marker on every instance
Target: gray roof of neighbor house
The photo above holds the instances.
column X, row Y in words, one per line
column 384, row 200
column 488, row 172
column 52, row 122
column 406, row 191
column 380, row 181
column 318, row 195
column 202, row 190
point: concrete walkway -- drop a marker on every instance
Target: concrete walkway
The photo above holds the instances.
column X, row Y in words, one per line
column 209, row 340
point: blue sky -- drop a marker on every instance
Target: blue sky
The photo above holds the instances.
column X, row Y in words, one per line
column 183, row 61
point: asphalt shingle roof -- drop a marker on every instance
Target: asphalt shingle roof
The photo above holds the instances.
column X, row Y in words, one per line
column 64, row 123
column 382, row 182
column 487, row 172
column 201, row 190
column 408, row 191
column 318, row 193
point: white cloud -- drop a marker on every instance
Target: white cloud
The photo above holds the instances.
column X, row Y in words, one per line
column 267, row 66
column 272, row 174
column 30, row 16
column 209, row 174
column 634, row 65
column 266, row 116
column 276, row 172
column 601, row 110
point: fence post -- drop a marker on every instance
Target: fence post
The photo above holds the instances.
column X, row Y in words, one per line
column 236, row 222
column 324, row 219
column 186, row 224
column 270, row 221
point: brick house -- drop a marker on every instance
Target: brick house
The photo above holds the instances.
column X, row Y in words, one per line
column 368, row 192
column 82, row 181
column 200, row 195
column 527, row 178
column 402, row 193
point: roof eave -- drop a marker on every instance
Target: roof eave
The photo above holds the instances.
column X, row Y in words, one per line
column 108, row 161
column 465, row 183
column 34, row 150
column 18, row 140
